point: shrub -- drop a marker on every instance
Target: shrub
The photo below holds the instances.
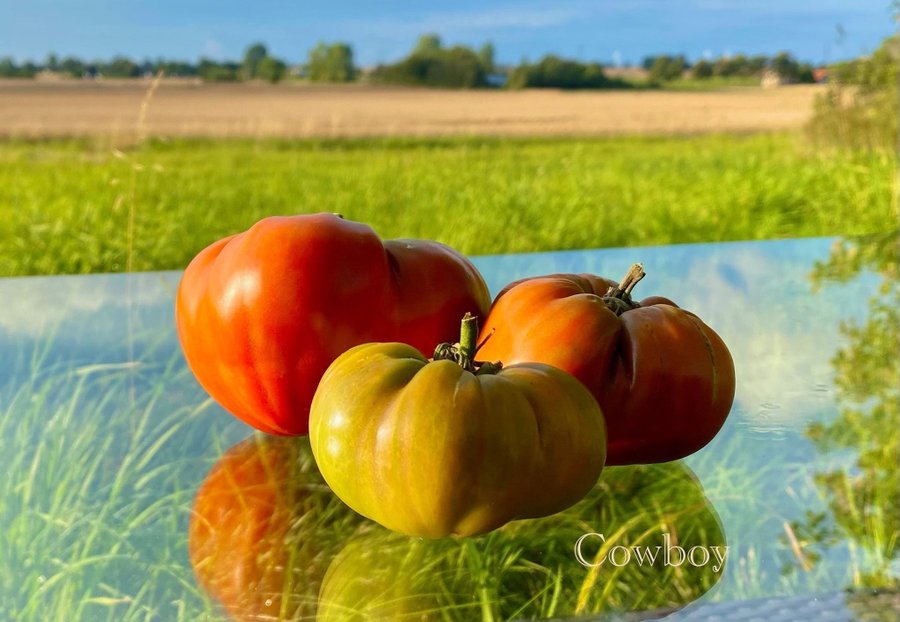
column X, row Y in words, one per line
column 555, row 72
column 456, row 67
column 666, row 68
column 331, row 63
column 270, row 69
column 859, row 110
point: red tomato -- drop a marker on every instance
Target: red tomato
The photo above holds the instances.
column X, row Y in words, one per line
column 664, row 379
column 262, row 314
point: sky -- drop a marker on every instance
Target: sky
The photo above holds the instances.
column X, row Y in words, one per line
column 610, row 31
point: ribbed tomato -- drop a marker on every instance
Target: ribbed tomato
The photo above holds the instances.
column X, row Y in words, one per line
column 262, row 314
column 664, row 379
column 445, row 447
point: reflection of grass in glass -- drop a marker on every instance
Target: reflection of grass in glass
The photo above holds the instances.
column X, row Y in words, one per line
column 758, row 487
column 863, row 498
column 65, row 205
column 96, row 491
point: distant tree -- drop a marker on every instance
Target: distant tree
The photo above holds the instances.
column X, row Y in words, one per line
column 555, row 72
column 429, row 64
column 331, row 63
column 175, row 68
column 253, row 56
column 666, row 68
column 120, row 67
column 755, row 64
column 740, row 65
column 789, row 69
column 8, row 67
column 427, row 44
column 734, row 66
column 73, row 67
column 784, row 65
column 52, row 62
column 271, row 69
column 702, row 69
column 456, row 67
column 28, row 69
column 211, row 71
column 486, row 55
column 721, row 66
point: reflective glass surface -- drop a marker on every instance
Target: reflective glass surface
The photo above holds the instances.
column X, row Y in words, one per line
column 128, row 494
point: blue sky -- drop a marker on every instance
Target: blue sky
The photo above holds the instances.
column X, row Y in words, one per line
column 384, row 30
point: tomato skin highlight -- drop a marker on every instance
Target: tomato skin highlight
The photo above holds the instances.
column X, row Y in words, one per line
column 664, row 380
column 429, row 449
column 261, row 314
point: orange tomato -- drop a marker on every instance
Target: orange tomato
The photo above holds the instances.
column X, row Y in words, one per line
column 664, row 380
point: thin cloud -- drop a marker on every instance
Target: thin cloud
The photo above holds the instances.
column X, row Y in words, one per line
column 213, row 49
column 505, row 18
column 779, row 7
column 515, row 18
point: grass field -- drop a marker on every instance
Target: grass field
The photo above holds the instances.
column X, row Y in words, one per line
column 182, row 108
column 81, row 206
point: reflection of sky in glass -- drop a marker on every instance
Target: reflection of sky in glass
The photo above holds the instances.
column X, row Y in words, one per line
column 756, row 295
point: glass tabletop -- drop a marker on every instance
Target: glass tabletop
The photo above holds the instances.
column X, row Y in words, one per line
column 128, row 494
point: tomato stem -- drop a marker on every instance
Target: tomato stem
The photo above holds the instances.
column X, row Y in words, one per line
column 618, row 299
column 463, row 353
column 468, row 336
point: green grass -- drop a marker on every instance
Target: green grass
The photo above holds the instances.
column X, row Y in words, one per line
column 78, row 207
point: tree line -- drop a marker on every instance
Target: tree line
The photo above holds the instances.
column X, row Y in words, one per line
column 665, row 68
column 326, row 63
column 429, row 63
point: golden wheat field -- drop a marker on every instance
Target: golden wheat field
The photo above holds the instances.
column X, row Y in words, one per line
column 185, row 108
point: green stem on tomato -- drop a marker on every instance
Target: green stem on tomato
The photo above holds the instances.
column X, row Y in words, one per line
column 468, row 337
column 463, row 352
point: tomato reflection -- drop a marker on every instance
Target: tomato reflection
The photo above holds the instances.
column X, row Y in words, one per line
column 529, row 569
column 264, row 528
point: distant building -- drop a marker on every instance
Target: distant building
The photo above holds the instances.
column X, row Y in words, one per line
column 631, row 74
column 45, row 75
column 820, row 74
column 772, row 79
column 496, row 79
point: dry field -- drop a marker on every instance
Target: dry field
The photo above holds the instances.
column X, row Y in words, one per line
column 183, row 108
